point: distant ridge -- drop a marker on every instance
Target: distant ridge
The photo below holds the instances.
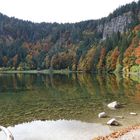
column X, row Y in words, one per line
column 105, row 45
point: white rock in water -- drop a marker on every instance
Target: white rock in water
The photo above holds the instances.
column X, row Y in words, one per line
column 113, row 122
column 7, row 133
column 133, row 113
column 102, row 115
column 113, row 105
column 120, row 117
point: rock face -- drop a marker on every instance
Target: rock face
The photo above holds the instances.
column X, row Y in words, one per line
column 115, row 24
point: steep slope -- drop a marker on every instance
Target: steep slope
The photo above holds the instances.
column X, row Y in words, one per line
column 95, row 45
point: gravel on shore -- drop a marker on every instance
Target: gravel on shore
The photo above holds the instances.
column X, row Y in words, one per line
column 123, row 134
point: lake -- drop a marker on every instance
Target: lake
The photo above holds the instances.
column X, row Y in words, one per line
column 71, row 97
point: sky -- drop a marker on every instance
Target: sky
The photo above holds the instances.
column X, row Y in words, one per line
column 60, row 11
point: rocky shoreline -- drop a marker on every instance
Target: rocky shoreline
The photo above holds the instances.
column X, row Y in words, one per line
column 131, row 132
column 118, row 134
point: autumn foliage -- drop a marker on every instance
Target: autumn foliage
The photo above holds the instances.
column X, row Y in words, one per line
column 101, row 63
column 77, row 47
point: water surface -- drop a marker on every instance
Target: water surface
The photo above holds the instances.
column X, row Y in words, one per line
column 29, row 97
column 57, row 130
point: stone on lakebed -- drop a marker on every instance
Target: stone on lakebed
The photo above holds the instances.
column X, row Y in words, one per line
column 113, row 122
column 114, row 105
column 102, row 115
column 133, row 113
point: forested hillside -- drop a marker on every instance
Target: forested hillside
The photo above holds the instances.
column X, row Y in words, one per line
column 108, row 44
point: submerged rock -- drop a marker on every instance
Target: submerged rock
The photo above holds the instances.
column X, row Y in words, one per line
column 113, row 122
column 102, row 115
column 7, row 133
column 133, row 113
column 114, row 105
column 120, row 117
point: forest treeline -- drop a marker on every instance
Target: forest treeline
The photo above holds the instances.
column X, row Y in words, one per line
column 25, row 45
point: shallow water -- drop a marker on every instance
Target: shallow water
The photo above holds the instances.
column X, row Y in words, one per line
column 29, row 97
column 57, row 130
